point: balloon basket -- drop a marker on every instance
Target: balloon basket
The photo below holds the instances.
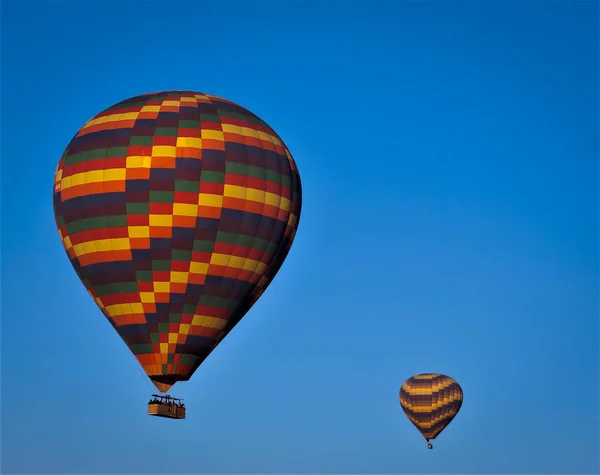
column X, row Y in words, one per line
column 166, row 406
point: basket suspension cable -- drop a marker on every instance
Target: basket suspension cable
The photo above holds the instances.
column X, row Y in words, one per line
column 144, row 375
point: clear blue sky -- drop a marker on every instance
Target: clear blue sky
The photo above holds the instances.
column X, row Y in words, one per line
column 449, row 158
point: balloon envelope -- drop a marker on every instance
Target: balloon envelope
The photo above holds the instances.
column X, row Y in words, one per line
column 176, row 210
column 431, row 401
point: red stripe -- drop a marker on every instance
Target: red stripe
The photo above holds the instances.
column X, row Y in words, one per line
column 189, row 132
column 98, row 164
column 186, row 197
column 198, row 256
column 161, row 208
column 246, row 123
column 123, row 110
column 258, row 184
column 99, row 234
column 138, row 150
column 180, row 266
column 211, row 188
column 120, row 298
column 239, row 251
column 161, row 276
column 138, row 220
column 211, row 125
column 165, row 140
column 213, row 311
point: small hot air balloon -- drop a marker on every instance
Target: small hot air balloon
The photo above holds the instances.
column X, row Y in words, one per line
column 176, row 210
column 430, row 401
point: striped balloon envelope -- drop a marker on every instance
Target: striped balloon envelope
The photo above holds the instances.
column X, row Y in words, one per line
column 430, row 401
column 176, row 210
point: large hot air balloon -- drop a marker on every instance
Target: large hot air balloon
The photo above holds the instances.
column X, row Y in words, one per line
column 430, row 401
column 176, row 210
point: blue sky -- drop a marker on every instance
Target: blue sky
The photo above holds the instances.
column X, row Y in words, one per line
column 449, row 159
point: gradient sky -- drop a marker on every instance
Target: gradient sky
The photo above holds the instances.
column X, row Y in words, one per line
column 449, row 159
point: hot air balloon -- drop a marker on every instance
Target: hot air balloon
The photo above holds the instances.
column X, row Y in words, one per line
column 430, row 401
column 176, row 209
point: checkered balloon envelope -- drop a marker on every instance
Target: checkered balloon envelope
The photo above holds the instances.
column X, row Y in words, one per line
column 176, row 210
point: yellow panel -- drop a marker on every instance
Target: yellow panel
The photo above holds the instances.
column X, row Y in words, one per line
column 198, row 320
column 117, row 309
column 112, row 118
column 128, row 116
column 219, row 259
column 234, row 129
column 198, row 267
column 171, row 102
column 209, row 322
column 90, row 246
column 192, row 142
column 164, row 151
column 184, row 328
column 94, row 176
column 115, row 174
column 212, row 134
column 84, row 248
column 147, row 297
column 124, row 309
column 250, row 264
column 185, row 209
column 237, row 262
column 425, row 376
column 234, row 191
column 150, row 109
column 58, row 175
column 173, row 337
column 161, row 220
column 164, row 287
column 100, row 245
column 179, row 277
column 138, row 161
column 260, row 268
column 206, row 199
column 115, row 244
column 67, row 248
column 278, row 200
column 265, row 137
column 67, row 242
column 138, row 231
column 255, row 195
column 164, row 348
column 248, row 132
column 120, row 244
